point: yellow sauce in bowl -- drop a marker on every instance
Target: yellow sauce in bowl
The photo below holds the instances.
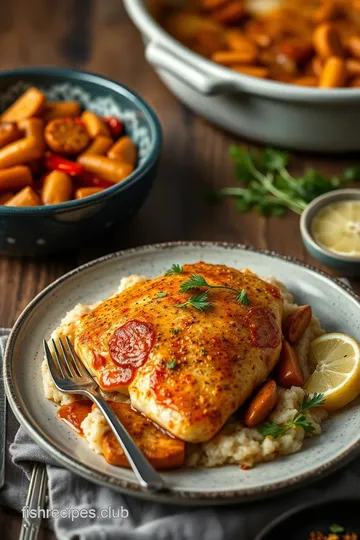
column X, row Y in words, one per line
column 337, row 228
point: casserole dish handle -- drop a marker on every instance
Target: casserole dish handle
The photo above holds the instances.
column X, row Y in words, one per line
column 180, row 67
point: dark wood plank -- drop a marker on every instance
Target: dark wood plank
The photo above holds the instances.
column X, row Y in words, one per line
column 97, row 35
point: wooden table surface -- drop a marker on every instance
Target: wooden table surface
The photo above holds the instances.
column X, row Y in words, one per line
column 96, row 35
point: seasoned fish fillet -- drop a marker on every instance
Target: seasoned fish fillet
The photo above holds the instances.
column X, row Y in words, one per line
column 185, row 369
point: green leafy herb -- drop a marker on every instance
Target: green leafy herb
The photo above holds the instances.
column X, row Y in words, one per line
column 336, row 529
column 204, row 351
column 270, row 429
column 199, row 302
column 195, row 282
column 267, row 186
column 175, row 331
column 172, row 364
column 175, row 269
column 162, row 294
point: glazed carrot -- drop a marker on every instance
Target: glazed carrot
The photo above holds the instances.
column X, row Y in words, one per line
column 327, row 41
column 104, row 167
column 261, row 405
column 81, row 193
column 317, row 65
column 296, row 323
column 229, row 58
column 94, row 124
column 34, row 127
column 237, row 41
column 61, row 109
column 306, row 81
column 353, row 66
column 25, row 197
column 353, row 45
column 124, row 150
column 5, row 197
column 15, row 178
column 327, row 11
column 288, row 369
column 57, row 188
column 334, row 73
column 20, row 152
column 31, row 103
column 9, row 132
column 254, row 71
column 99, row 146
column 230, row 13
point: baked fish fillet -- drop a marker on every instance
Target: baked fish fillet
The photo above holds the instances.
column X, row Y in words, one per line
column 185, row 369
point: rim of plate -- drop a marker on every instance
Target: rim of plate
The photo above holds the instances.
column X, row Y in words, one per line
column 133, row 488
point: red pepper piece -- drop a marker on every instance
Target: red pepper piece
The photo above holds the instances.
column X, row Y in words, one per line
column 54, row 162
column 115, row 126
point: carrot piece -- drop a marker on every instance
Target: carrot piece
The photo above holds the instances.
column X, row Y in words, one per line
column 262, row 404
column 124, row 150
column 288, row 369
column 94, row 124
column 15, row 178
column 81, row 193
column 29, row 104
column 334, row 74
column 25, row 197
column 57, row 188
column 296, row 323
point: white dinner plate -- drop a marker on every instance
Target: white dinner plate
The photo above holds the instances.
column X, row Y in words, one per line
column 336, row 306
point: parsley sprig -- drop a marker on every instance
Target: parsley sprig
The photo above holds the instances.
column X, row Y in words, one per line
column 175, row 269
column 270, row 429
column 200, row 302
column 196, row 281
column 268, row 187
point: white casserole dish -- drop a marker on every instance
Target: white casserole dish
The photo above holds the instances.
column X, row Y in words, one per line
column 273, row 113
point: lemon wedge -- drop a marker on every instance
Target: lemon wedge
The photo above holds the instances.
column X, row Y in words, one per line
column 336, row 359
column 337, row 228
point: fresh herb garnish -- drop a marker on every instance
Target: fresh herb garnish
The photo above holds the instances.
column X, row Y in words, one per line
column 269, row 188
column 162, row 294
column 175, row 269
column 172, row 364
column 270, row 429
column 175, row 331
column 195, row 282
column 204, row 351
column 336, row 529
column 199, row 302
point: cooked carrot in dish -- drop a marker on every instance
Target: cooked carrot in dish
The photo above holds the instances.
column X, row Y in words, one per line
column 261, row 405
column 15, row 178
column 61, row 109
column 94, row 124
column 62, row 152
column 286, row 43
column 9, row 132
column 29, row 104
column 288, row 369
column 5, row 197
column 99, row 146
column 57, row 188
column 25, row 197
column 124, row 150
column 107, row 168
column 81, row 193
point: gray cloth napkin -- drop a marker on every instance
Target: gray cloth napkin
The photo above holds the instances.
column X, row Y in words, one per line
column 147, row 520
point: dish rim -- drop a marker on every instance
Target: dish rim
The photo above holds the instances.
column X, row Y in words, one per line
column 139, row 12
column 262, row 535
column 81, row 76
column 133, row 488
column 313, row 209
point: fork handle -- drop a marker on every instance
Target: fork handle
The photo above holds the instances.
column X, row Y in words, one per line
column 144, row 471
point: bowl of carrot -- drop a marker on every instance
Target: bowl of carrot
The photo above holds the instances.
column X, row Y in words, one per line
column 78, row 153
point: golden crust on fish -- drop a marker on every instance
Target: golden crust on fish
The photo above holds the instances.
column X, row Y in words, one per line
column 185, row 369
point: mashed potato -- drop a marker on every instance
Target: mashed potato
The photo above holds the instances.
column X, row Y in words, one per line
column 235, row 443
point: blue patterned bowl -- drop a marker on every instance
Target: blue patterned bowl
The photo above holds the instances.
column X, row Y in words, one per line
column 47, row 229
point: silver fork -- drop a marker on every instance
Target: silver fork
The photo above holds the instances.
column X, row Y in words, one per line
column 70, row 376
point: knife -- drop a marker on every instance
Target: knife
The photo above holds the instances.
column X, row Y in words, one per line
column 35, row 501
column 2, row 432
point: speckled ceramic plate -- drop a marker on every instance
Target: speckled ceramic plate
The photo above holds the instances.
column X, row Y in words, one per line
column 336, row 306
